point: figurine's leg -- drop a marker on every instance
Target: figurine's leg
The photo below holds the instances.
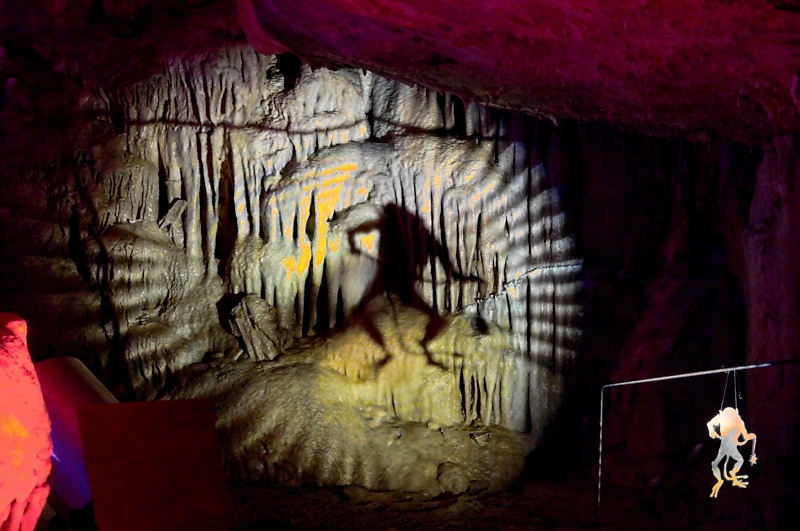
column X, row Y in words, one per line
column 717, row 474
column 737, row 480
column 715, row 488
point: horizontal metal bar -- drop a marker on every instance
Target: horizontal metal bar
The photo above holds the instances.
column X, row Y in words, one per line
column 698, row 373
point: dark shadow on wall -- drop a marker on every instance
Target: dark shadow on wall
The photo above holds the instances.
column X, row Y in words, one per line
column 407, row 247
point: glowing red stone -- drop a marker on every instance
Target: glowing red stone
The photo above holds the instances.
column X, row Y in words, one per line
column 25, row 446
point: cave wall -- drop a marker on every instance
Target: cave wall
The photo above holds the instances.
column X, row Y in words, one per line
column 216, row 162
column 659, row 223
column 234, row 203
column 771, row 252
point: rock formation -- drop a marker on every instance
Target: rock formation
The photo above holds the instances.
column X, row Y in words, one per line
column 24, row 431
column 236, row 214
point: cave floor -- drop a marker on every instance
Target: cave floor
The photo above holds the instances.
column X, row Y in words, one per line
column 535, row 504
column 566, row 502
column 678, row 500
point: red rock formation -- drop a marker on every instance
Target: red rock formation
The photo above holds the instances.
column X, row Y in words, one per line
column 24, row 431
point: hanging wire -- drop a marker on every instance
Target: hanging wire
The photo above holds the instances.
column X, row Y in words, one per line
column 727, row 377
column 736, row 390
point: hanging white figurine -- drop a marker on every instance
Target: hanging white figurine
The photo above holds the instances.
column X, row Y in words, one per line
column 731, row 428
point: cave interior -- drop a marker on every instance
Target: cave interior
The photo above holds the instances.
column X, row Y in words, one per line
column 444, row 225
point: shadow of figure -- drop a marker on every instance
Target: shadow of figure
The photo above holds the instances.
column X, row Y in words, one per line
column 406, row 248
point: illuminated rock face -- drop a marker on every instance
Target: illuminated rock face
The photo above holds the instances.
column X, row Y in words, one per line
column 24, row 431
column 375, row 403
column 374, row 282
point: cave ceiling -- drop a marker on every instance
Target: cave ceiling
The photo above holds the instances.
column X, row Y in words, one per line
column 688, row 69
column 659, row 66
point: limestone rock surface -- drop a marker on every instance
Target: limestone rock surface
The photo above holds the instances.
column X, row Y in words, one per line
column 362, row 274
column 374, row 403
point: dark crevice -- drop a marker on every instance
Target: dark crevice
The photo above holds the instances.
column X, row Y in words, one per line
column 311, row 222
column 290, row 67
column 323, row 302
column 339, row 308
column 459, row 118
column 308, row 302
column 203, row 199
column 226, row 213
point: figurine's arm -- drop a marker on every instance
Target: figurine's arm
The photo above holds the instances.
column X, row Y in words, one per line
column 712, row 432
column 745, row 436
